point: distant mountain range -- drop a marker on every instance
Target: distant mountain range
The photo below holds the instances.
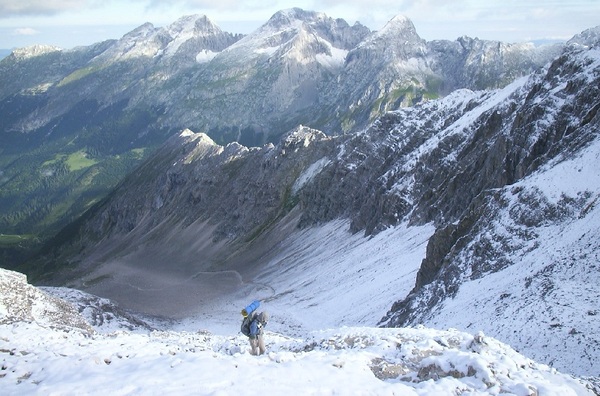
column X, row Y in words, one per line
column 75, row 122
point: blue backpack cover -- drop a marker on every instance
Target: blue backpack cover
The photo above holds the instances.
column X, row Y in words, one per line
column 249, row 316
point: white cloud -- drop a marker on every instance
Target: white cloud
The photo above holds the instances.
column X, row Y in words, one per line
column 210, row 3
column 9, row 8
column 26, row 31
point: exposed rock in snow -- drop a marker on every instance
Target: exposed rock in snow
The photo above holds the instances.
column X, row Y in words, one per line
column 516, row 251
column 22, row 302
column 589, row 38
column 101, row 313
column 33, row 51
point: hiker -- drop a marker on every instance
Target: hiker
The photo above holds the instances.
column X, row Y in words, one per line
column 255, row 324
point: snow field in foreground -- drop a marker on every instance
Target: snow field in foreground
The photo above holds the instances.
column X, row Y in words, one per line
column 38, row 360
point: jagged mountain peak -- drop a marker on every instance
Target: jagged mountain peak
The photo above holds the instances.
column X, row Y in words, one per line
column 199, row 25
column 143, row 41
column 399, row 26
column 588, row 38
column 477, row 44
column 399, row 22
column 288, row 22
column 188, row 135
column 300, row 36
column 397, row 39
column 295, row 20
column 336, row 31
column 196, row 37
column 144, row 30
column 291, row 15
column 301, row 136
column 193, row 36
column 199, row 140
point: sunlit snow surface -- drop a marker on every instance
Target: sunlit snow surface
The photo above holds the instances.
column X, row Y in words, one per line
column 347, row 361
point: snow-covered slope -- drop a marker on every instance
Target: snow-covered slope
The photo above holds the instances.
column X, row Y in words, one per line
column 546, row 298
column 524, row 257
column 42, row 359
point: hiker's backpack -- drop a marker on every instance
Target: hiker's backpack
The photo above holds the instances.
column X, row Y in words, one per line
column 249, row 314
column 245, row 328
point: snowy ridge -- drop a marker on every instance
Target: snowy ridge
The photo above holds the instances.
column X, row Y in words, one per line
column 188, row 28
column 267, row 39
column 399, row 28
column 588, row 38
column 34, row 50
column 101, row 313
column 182, row 37
column 141, row 42
column 294, row 35
column 43, row 360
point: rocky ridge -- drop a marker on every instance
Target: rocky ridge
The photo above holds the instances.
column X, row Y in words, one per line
column 76, row 121
column 309, row 61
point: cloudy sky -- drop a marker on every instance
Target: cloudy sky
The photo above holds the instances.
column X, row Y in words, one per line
column 69, row 23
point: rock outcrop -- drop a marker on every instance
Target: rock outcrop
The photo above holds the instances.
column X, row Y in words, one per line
column 22, row 302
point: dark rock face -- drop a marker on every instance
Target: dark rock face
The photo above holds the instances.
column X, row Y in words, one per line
column 441, row 162
column 550, row 121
